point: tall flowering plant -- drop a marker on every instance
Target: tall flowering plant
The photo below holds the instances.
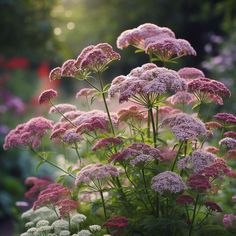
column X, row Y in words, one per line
column 145, row 167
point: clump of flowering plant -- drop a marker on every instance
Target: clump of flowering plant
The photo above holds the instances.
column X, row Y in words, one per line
column 144, row 168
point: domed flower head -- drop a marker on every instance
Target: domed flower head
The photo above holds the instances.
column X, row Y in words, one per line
column 95, row 172
column 55, row 74
column 226, row 118
column 106, row 143
column 146, row 81
column 137, row 36
column 62, row 108
column 168, row 48
column 168, row 182
column 96, row 58
column 185, row 199
column 208, row 90
column 137, row 153
column 182, row 98
column 197, row 161
column 190, row 73
column 116, row 224
column 229, row 143
column 184, row 126
column 28, row 134
column 47, row 95
column 85, row 92
column 231, row 134
column 213, row 206
column 228, row 220
column 199, row 182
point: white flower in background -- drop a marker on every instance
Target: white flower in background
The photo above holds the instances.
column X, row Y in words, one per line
column 94, row 228
column 84, row 232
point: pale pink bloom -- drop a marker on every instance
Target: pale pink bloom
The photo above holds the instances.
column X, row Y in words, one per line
column 228, row 220
column 231, row 154
column 28, row 134
column 85, row 92
column 47, row 95
column 213, row 125
column 168, row 182
column 182, row 98
column 68, row 69
column 208, row 90
column 131, row 113
column 137, row 36
column 97, row 171
column 55, row 74
column 229, row 143
column 96, row 58
column 212, row 149
column 106, row 142
column 70, row 136
column 148, row 79
column 184, row 126
column 166, row 48
column 62, row 108
column 197, row 161
column 189, row 73
column 135, row 150
column 71, row 115
column 165, row 111
column 234, row 198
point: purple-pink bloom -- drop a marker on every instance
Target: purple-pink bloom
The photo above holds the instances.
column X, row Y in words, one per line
column 28, row 134
column 228, row 220
column 97, row 171
column 197, row 161
column 62, row 108
column 226, row 118
column 47, row 95
column 229, row 143
column 106, row 142
column 55, row 74
column 168, row 182
column 190, row 73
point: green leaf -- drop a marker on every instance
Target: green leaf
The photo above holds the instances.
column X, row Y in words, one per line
column 138, row 51
column 38, row 165
column 60, row 179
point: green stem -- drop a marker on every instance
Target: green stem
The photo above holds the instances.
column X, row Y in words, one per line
column 153, row 127
column 176, row 158
column 105, row 103
column 77, row 152
column 62, row 114
column 157, row 120
column 103, row 204
column 53, row 164
column 146, row 191
column 193, row 217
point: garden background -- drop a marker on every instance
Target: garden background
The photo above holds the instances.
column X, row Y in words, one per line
column 36, row 36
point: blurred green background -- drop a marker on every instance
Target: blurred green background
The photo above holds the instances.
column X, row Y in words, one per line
column 37, row 35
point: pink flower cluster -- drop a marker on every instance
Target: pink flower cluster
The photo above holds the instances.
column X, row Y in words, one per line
column 190, row 73
column 94, row 172
column 93, row 120
column 28, row 134
column 37, row 185
column 182, row 98
column 137, row 36
column 231, row 134
column 208, row 90
column 156, row 40
column 229, row 143
column 62, row 108
column 213, row 206
column 197, row 161
column 229, row 220
column 85, row 92
column 199, row 182
column 136, row 153
column 131, row 113
column 145, row 80
column 58, row 197
column 185, row 199
column 184, row 126
column 92, row 58
column 226, row 118
column 116, row 224
column 168, row 182
column 106, row 143
column 47, row 95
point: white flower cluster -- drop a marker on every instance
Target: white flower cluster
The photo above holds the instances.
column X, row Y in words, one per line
column 44, row 221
